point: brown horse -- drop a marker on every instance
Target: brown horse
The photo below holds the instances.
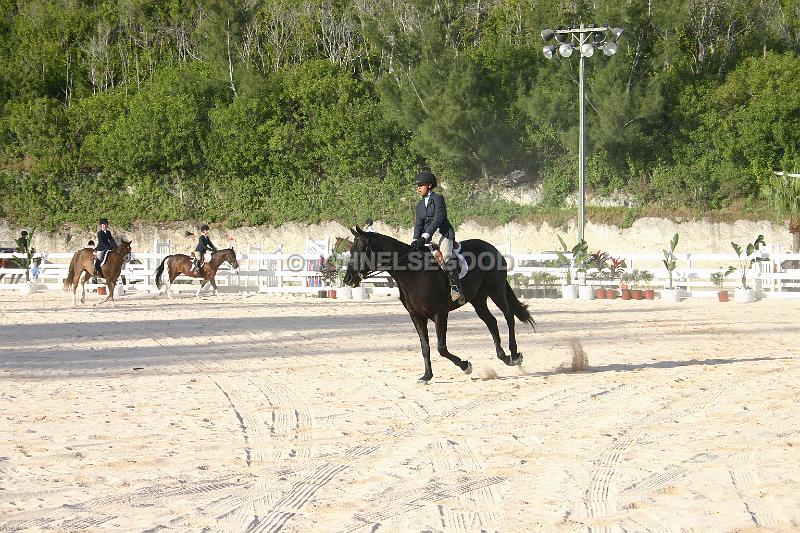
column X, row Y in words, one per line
column 83, row 261
column 10, row 262
column 182, row 264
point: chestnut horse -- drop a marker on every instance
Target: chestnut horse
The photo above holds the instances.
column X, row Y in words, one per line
column 182, row 264
column 84, row 260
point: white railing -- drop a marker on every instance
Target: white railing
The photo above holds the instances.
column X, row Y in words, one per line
column 297, row 273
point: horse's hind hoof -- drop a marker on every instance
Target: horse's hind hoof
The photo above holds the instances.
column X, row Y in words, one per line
column 468, row 370
column 423, row 381
column 517, row 360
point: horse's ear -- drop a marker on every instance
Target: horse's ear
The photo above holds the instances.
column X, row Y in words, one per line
column 355, row 231
column 359, row 230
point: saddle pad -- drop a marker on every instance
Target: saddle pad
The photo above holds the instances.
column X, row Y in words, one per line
column 462, row 261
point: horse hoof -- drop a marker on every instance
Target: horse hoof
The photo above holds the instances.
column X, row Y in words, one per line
column 468, row 370
column 517, row 360
column 423, row 381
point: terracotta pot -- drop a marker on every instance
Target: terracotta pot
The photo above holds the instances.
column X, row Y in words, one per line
column 611, row 294
column 600, row 294
column 649, row 294
column 331, row 293
column 101, row 290
column 636, row 294
column 723, row 296
column 625, row 294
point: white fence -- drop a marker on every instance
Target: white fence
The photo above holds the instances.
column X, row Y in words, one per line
column 777, row 276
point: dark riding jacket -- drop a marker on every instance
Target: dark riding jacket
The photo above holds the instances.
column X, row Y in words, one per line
column 433, row 217
column 105, row 241
column 205, row 244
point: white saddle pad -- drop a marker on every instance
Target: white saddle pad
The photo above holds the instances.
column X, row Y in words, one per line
column 461, row 261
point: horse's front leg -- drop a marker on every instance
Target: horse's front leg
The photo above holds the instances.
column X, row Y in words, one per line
column 441, row 343
column 202, row 284
column 214, row 284
column 422, row 330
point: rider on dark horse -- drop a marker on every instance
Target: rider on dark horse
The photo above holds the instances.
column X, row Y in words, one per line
column 105, row 243
column 431, row 215
column 203, row 246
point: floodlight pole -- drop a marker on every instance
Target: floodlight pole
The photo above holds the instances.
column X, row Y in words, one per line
column 581, row 145
column 582, row 35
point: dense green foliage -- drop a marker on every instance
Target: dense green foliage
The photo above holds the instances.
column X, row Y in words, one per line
column 265, row 111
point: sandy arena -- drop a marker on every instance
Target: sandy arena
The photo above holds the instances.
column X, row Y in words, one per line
column 297, row 414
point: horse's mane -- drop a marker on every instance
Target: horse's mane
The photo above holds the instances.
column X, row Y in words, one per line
column 384, row 240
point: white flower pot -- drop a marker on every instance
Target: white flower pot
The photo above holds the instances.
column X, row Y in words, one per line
column 344, row 293
column 27, row 288
column 586, row 292
column 744, row 296
column 671, row 295
column 569, row 292
column 359, row 293
column 119, row 290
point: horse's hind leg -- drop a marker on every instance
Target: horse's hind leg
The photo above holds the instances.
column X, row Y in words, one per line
column 479, row 303
column 499, row 299
column 441, row 344
column 202, row 284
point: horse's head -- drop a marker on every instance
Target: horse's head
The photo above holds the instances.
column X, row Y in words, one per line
column 357, row 268
column 125, row 248
column 230, row 256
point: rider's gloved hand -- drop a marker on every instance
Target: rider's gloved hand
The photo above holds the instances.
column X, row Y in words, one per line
column 419, row 243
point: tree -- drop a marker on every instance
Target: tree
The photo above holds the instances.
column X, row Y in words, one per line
column 785, row 199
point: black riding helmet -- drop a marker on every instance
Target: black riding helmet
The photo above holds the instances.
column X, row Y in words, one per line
column 204, row 227
column 425, row 177
column 103, row 221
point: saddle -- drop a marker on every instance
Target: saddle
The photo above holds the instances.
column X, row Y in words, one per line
column 462, row 261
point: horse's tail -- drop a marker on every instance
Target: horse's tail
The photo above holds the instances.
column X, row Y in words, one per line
column 159, row 271
column 519, row 309
column 70, row 275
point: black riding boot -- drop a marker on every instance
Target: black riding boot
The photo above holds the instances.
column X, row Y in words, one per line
column 96, row 270
column 456, row 291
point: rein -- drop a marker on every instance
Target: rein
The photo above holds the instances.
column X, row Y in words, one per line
column 368, row 249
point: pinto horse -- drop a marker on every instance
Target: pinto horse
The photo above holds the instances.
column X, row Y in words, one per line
column 84, row 260
column 182, row 264
column 425, row 290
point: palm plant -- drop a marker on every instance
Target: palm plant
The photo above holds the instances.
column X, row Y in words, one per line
column 749, row 257
column 578, row 253
column 670, row 262
column 785, row 199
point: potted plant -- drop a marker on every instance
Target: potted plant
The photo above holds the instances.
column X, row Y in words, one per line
column 670, row 294
column 646, row 278
column 582, row 265
column 543, row 284
column 599, row 260
column 636, row 292
column 626, row 280
column 568, row 290
column 616, row 267
column 747, row 257
column 718, row 279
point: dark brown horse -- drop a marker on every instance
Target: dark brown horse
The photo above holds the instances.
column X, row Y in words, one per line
column 182, row 264
column 84, row 260
column 10, row 262
column 425, row 290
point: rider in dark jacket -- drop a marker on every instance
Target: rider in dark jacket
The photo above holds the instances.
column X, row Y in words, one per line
column 431, row 216
column 105, row 242
column 203, row 245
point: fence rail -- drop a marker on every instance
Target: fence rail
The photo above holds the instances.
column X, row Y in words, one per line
column 777, row 276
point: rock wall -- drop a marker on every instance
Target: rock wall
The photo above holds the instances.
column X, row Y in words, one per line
column 646, row 235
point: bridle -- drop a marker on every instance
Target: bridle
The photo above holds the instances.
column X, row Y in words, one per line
column 368, row 249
